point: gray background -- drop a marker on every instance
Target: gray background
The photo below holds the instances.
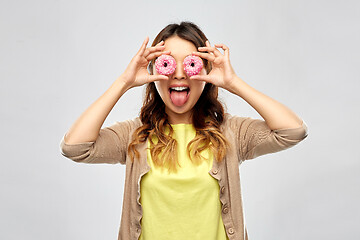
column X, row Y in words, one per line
column 57, row 57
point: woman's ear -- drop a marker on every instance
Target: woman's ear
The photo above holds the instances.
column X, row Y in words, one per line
column 153, row 69
column 149, row 68
column 204, row 71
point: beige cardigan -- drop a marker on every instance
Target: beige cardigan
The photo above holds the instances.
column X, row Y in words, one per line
column 248, row 138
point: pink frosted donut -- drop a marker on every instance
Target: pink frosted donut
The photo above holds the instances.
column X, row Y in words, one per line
column 192, row 65
column 165, row 64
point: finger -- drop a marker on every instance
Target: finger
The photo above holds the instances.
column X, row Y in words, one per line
column 213, row 50
column 205, row 78
column 143, row 46
column 224, row 47
column 207, row 56
column 153, row 49
column 153, row 78
column 209, row 45
column 156, row 54
column 160, row 43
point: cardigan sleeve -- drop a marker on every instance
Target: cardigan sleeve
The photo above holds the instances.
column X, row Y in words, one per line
column 254, row 138
column 110, row 146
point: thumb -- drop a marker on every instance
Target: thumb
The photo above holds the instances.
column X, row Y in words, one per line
column 205, row 78
column 153, row 78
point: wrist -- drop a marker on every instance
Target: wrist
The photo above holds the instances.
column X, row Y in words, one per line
column 237, row 86
column 123, row 83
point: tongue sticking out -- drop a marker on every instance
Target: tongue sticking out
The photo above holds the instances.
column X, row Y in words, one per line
column 179, row 98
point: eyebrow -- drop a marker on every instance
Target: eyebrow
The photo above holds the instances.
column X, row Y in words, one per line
column 185, row 56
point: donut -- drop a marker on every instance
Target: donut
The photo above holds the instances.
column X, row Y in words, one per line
column 165, row 64
column 192, row 65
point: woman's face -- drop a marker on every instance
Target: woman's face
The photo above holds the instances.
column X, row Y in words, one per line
column 179, row 105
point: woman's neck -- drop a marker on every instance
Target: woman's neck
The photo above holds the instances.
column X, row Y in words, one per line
column 175, row 118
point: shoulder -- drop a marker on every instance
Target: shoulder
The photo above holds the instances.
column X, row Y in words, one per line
column 243, row 125
column 229, row 118
column 233, row 121
column 126, row 126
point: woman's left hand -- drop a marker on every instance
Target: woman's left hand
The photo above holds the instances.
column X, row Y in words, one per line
column 222, row 73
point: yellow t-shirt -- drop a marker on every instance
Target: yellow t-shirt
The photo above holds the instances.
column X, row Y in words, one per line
column 182, row 205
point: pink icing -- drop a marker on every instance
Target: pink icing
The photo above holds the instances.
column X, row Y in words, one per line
column 192, row 65
column 165, row 64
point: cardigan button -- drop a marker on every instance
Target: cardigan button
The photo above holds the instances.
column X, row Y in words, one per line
column 215, row 171
column 225, row 210
column 222, row 190
column 231, row 231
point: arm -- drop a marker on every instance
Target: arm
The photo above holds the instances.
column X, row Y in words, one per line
column 86, row 141
column 110, row 145
column 253, row 137
column 275, row 114
column 86, row 128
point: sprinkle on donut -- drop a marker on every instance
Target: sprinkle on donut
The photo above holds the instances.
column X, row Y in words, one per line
column 165, row 64
column 192, row 65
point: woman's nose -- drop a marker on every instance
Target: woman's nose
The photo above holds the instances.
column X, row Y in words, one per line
column 179, row 72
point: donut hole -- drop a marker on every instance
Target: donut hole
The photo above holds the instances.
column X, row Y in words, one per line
column 192, row 64
column 165, row 64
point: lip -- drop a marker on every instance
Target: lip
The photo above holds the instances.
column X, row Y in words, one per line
column 179, row 85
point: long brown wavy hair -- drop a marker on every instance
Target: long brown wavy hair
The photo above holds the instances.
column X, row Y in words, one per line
column 207, row 115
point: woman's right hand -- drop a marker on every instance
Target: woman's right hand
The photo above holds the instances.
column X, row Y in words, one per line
column 136, row 73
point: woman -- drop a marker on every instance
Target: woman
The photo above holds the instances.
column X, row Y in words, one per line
column 182, row 128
